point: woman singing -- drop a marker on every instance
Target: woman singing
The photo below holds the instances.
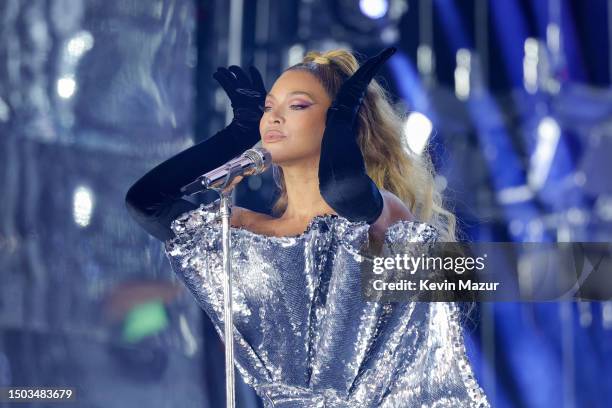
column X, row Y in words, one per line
column 305, row 337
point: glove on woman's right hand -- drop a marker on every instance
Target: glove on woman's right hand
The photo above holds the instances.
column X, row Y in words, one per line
column 247, row 96
column 154, row 201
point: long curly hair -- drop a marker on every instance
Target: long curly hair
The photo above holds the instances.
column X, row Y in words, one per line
column 389, row 161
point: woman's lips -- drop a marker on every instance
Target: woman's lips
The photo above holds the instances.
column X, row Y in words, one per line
column 273, row 136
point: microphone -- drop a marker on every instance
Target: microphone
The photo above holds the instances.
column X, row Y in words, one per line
column 251, row 162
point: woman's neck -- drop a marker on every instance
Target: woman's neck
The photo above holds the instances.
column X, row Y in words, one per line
column 304, row 200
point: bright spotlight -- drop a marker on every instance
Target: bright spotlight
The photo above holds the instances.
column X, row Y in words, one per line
column 82, row 206
column 549, row 129
column 462, row 74
column 548, row 134
column 374, row 8
column 417, row 130
column 80, row 44
column 66, row 87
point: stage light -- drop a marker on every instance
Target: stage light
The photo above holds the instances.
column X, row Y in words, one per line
column 364, row 24
column 417, row 130
column 530, row 65
column 374, row 9
column 79, row 44
column 548, row 134
column 82, row 206
column 603, row 207
column 425, row 60
column 4, row 111
column 553, row 38
column 516, row 227
column 514, row 195
column 535, row 229
column 295, row 54
column 606, row 314
column 66, row 87
column 462, row 73
column 577, row 216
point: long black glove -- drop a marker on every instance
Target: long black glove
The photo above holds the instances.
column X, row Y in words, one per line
column 154, row 201
column 343, row 181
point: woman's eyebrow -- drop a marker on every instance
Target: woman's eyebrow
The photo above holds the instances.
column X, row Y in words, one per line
column 293, row 93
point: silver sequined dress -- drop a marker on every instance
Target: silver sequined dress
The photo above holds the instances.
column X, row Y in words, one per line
column 304, row 336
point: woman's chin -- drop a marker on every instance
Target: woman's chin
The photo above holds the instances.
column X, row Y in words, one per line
column 279, row 158
column 275, row 150
column 284, row 155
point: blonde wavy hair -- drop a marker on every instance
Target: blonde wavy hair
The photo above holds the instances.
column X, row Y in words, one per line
column 389, row 161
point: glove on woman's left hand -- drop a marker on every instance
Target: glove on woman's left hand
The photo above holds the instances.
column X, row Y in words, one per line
column 343, row 181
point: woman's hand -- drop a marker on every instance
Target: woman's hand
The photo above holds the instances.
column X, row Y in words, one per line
column 247, row 95
column 345, row 106
column 155, row 200
column 343, row 181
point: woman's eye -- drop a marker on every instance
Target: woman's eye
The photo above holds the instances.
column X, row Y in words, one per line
column 295, row 107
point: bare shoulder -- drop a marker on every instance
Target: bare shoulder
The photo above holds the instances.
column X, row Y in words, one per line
column 393, row 210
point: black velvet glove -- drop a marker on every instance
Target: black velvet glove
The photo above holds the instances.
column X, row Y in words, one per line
column 343, row 181
column 154, row 201
column 247, row 95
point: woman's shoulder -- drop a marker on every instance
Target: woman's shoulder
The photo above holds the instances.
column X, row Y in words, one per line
column 394, row 210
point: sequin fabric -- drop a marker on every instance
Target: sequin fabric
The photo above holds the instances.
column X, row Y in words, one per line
column 304, row 337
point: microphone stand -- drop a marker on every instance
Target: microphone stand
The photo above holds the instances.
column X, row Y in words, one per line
column 223, row 180
column 225, row 210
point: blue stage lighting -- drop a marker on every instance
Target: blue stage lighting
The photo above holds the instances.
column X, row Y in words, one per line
column 374, row 9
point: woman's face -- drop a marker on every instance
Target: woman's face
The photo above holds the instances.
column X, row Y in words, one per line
column 294, row 118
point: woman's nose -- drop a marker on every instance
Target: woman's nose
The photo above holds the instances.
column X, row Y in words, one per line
column 275, row 116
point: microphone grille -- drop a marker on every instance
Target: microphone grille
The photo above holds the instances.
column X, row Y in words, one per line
column 260, row 157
